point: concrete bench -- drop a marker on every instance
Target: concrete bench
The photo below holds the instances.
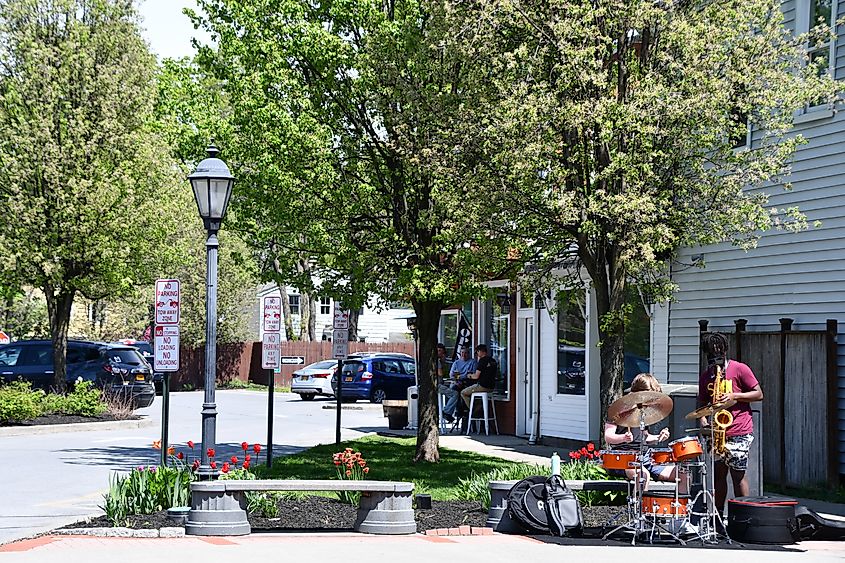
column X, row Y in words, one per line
column 497, row 514
column 218, row 507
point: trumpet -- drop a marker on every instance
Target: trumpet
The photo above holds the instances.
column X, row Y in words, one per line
column 721, row 419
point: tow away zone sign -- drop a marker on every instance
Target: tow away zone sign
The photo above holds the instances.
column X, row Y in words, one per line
column 166, row 349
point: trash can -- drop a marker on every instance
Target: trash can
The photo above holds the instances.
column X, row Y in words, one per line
column 396, row 413
column 413, row 410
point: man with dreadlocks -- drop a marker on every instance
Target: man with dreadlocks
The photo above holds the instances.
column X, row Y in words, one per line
column 738, row 435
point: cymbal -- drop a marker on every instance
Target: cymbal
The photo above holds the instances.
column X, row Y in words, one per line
column 709, row 410
column 626, row 410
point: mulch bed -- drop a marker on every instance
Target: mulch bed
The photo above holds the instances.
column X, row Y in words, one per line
column 322, row 513
column 69, row 419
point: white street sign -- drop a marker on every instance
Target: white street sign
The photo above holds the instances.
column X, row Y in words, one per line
column 340, row 344
column 272, row 314
column 341, row 318
column 271, row 350
column 166, row 348
column 167, row 302
column 294, row 360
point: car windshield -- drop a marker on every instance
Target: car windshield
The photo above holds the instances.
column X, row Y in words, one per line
column 124, row 356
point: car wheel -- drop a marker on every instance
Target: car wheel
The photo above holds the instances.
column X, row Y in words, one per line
column 307, row 396
column 377, row 396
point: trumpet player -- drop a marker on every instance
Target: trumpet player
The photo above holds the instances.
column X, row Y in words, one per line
column 732, row 428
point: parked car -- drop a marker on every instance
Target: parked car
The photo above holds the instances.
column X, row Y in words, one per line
column 146, row 350
column 314, row 379
column 376, row 376
column 116, row 368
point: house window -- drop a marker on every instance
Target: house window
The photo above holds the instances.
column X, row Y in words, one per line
column 571, row 342
column 325, row 305
column 293, row 301
column 497, row 324
column 813, row 15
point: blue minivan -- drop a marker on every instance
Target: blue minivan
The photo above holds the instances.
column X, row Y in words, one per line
column 376, row 376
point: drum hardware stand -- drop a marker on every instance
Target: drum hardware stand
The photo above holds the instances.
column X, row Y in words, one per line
column 708, row 532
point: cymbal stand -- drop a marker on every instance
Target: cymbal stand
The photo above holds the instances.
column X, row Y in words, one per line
column 708, row 531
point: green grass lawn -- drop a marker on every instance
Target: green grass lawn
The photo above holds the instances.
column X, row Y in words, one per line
column 389, row 459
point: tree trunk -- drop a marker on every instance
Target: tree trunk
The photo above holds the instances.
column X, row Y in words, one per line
column 609, row 284
column 428, row 431
column 58, row 310
column 353, row 325
column 283, row 292
column 307, row 317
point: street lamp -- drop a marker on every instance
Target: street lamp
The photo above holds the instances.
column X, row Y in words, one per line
column 212, row 185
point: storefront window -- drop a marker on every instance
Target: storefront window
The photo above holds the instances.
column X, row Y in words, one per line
column 571, row 342
column 497, row 313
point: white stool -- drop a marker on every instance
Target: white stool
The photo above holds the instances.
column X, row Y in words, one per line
column 486, row 399
column 441, row 404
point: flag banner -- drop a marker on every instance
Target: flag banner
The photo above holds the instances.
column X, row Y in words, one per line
column 464, row 338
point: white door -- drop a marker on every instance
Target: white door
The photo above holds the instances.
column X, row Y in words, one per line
column 527, row 374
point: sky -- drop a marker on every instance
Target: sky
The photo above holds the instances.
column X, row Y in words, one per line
column 167, row 29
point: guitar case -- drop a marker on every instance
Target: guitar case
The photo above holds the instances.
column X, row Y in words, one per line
column 764, row 520
column 811, row 526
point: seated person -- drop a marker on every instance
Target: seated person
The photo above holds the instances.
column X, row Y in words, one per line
column 458, row 377
column 629, row 438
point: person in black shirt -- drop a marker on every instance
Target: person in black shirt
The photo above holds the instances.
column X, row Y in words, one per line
column 484, row 376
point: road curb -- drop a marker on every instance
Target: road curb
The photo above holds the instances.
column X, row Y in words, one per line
column 75, row 427
column 119, row 532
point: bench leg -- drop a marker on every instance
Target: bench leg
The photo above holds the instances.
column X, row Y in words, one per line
column 386, row 513
column 215, row 512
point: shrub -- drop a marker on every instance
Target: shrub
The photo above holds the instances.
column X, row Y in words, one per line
column 146, row 490
column 260, row 504
column 352, row 466
column 118, row 405
column 84, row 400
column 19, row 403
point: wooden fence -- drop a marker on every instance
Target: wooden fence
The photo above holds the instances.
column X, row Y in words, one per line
column 242, row 361
column 797, row 373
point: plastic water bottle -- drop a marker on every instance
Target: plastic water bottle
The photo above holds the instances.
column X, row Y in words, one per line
column 555, row 464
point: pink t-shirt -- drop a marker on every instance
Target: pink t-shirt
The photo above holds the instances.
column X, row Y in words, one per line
column 743, row 381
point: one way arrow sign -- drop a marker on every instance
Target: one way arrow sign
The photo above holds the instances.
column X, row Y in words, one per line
column 293, row 360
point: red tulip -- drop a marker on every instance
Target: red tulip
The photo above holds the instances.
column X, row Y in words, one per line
column 195, row 465
column 213, row 465
column 225, row 468
column 244, row 446
column 234, row 459
column 190, row 444
column 256, row 448
column 247, row 457
column 591, row 446
column 180, row 455
column 246, row 464
column 210, row 452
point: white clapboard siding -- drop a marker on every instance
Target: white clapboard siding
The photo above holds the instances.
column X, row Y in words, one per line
column 795, row 275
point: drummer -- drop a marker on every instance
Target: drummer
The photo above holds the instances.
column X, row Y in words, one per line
column 621, row 435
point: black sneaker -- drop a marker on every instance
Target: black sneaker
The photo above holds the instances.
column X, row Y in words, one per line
column 448, row 417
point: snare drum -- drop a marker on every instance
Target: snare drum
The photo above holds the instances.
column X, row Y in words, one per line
column 686, row 448
column 662, row 456
column 617, row 459
column 663, row 504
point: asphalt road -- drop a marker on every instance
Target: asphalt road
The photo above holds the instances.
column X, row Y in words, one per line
column 48, row 480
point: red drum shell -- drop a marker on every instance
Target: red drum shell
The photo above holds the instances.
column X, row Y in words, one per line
column 617, row 459
column 662, row 456
column 664, row 505
column 686, row 448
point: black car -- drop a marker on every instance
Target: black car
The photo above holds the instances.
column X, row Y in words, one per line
column 117, row 369
column 146, row 350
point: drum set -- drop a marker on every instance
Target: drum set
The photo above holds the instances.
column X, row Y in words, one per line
column 653, row 514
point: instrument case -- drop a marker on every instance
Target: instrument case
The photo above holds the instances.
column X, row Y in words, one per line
column 766, row 520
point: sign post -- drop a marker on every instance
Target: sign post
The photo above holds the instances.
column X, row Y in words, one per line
column 340, row 349
column 271, row 359
column 166, row 348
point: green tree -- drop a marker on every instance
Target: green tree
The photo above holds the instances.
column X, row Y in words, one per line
column 88, row 190
column 340, row 113
column 613, row 126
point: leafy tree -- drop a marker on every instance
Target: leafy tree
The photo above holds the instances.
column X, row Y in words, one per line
column 83, row 178
column 613, row 128
column 340, row 114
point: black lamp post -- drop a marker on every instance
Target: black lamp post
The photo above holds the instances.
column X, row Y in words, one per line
column 212, row 185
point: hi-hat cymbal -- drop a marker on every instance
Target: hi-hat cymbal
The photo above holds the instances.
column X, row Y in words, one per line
column 703, row 432
column 709, row 410
column 627, row 411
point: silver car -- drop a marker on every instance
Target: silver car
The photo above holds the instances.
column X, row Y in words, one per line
column 314, row 379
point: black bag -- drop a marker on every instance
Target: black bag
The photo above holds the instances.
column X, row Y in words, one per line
column 563, row 511
column 811, row 526
column 545, row 506
column 763, row 520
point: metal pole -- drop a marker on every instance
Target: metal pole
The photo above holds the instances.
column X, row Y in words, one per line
column 165, row 416
column 271, row 385
column 339, row 394
column 209, row 408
